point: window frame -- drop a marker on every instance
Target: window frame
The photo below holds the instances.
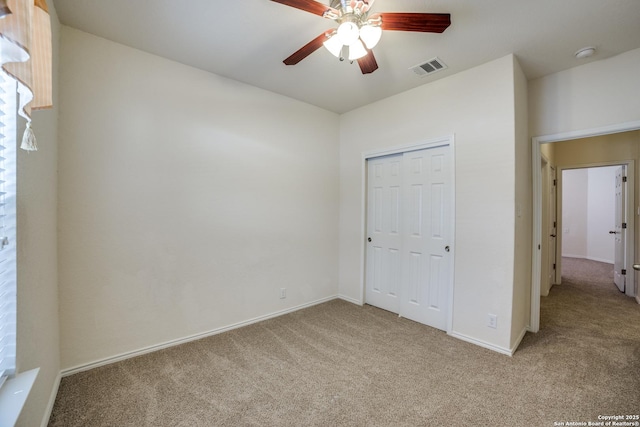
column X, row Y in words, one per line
column 8, row 227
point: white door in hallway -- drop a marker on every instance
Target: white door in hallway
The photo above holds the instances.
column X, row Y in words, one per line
column 553, row 226
column 409, row 224
column 620, row 230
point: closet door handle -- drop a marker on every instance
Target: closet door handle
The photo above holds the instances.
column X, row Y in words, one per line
column 446, row 248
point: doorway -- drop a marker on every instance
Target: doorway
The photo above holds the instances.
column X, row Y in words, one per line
column 409, row 248
column 594, row 221
column 537, row 144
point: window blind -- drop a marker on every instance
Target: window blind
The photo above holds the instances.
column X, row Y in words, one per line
column 7, row 227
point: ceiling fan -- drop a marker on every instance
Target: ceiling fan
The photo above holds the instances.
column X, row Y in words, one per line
column 358, row 30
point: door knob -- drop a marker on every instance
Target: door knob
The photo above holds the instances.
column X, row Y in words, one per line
column 636, row 266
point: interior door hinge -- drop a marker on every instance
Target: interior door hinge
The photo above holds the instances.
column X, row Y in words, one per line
column 554, row 224
column 624, row 272
column 555, row 182
column 624, row 179
column 624, row 225
column 554, row 266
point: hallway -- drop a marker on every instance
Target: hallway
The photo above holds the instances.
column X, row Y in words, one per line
column 590, row 314
column 584, row 273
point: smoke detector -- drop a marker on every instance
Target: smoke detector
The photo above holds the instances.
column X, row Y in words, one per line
column 585, row 52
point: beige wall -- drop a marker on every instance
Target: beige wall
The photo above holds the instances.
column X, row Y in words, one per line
column 599, row 149
column 477, row 106
column 548, row 152
column 38, row 328
column 186, row 201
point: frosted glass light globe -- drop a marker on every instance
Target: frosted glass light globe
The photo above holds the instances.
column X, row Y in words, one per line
column 356, row 51
column 348, row 32
column 370, row 35
column 334, row 45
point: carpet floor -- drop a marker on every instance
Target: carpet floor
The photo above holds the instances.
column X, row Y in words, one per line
column 337, row 364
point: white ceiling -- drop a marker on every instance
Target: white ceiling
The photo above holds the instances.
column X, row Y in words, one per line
column 247, row 40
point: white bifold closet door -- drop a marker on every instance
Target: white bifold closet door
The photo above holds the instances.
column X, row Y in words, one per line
column 409, row 225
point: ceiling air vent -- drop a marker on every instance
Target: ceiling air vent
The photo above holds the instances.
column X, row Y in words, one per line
column 431, row 66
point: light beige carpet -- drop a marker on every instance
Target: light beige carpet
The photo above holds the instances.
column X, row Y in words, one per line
column 338, row 364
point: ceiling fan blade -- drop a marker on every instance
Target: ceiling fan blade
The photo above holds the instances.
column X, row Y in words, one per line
column 368, row 63
column 306, row 50
column 310, row 6
column 420, row 22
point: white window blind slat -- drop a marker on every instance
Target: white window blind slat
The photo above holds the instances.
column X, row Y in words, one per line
column 7, row 227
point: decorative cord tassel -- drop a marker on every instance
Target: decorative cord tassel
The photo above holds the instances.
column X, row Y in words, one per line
column 29, row 139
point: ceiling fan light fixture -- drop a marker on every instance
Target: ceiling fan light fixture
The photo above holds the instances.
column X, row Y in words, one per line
column 370, row 35
column 357, row 27
column 334, row 45
column 356, row 51
column 348, row 33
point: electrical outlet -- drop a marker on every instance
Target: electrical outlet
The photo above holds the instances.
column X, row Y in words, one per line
column 492, row 321
column 283, row 293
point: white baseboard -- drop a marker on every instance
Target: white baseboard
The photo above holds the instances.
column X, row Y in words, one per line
column 351, row 300
column 117, row 358
column 52, row 401
column 606, row 261
column 483, row 344
column 572, row 256
column 590, row 258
